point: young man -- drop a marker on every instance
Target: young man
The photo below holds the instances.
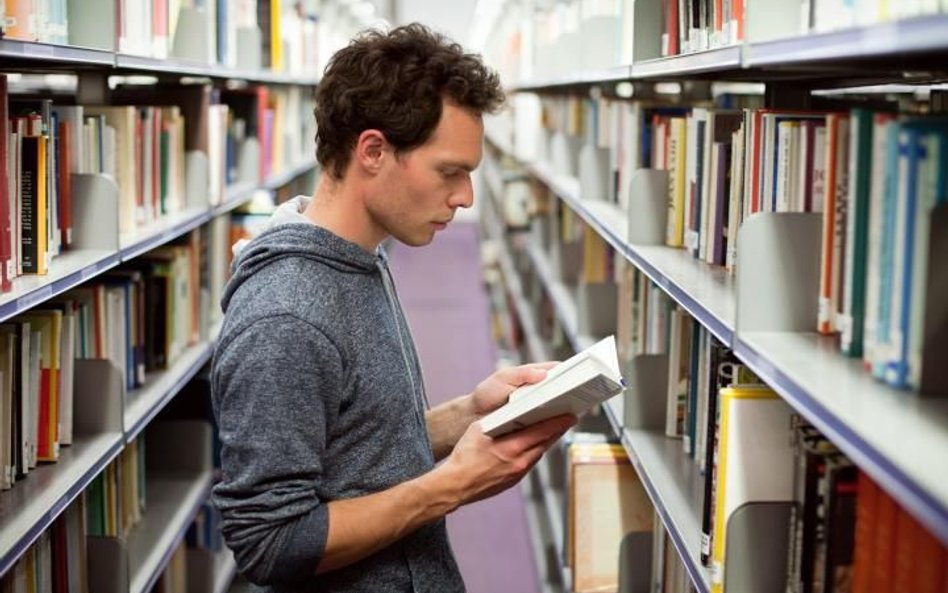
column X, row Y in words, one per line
column 329, row 454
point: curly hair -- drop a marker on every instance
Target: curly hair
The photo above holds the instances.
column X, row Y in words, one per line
column 395, row 82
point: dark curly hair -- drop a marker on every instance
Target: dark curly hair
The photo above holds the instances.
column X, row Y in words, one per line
column 395, row 82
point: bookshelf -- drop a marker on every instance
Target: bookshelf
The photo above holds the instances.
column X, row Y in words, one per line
column 108, row 415
column 898, row 439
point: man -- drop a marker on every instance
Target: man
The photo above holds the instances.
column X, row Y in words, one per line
column 329, row 455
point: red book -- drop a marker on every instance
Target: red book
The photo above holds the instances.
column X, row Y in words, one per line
column 6, row 282
column 263, row 98
column 906, row 540
column 671, row 26
column 883, row 554
column 929, row 574
column 65, row 187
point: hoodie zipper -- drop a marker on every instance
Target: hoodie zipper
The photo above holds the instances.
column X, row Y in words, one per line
column 391, row 295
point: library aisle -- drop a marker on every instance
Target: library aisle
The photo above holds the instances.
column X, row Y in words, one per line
column 440, row 288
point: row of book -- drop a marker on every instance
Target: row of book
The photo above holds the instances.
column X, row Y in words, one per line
column 246, row 136
column 252, row 34
column 745, row 441
column 828, row 15
column 112, row 506
column 875, row 177
column 140, row 317
column 695, row 25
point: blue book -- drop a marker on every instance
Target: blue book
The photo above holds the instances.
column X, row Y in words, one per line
column 887, row 251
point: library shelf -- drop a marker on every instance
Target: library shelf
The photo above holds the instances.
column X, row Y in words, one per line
column 673, row 484
column 706, row 292
column 50, row 54
column 66, row 271
column 173, row 501
column 563, row 301
column 178, row 67
column 554, row 505
column 235, row 196
column 535, row 344
column 587, row 77
column 161, row 231
column 899, row 438
column 493, row 178
column 716, row 60
column 541, row 539
column 278, row 180
column 144, row 403
column 31, row 506
column 893, row 39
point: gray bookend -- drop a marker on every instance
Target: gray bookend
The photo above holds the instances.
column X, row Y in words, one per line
column 648, row 207
column 99, row 397
column 635, row 562
column 647, row 31
column 248, row 161
column 107, row 564
column 95, row 206
column 755, row 556
column 596, row 307
column 778, row 272
column 91, row 23
column 564, row 154
column 190, row 38
column 197, row 179
column 646, row 378
column 185, row 446
column 594, row 175
column 248, row 48
column 599, row 47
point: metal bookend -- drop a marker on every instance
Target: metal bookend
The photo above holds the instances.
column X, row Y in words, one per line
column 99, row 397
column 755, row 556
column 197, row 179
column 778, row 272
column 95, row 211
column 594, row 177
column 648, row 207
column 644, row 400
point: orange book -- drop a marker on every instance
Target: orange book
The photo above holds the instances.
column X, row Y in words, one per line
column 65, row 189
column 49, row 325
column 929, row 575
column 883, row 553
column 866, row 497
column 827, row 309
column 906, row 539
column 21, row 20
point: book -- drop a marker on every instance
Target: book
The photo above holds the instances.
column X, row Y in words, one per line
column 571, row 387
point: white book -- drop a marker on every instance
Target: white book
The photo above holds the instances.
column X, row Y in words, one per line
column 571, row 387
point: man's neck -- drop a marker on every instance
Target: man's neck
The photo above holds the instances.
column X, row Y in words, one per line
column 338, row 208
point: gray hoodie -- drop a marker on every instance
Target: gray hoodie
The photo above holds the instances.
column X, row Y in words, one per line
column 318, row 394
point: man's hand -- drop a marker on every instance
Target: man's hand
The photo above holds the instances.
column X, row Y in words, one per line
column 480, row 466
column 493, row 392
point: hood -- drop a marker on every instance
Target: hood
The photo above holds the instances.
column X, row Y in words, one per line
column 290, row 234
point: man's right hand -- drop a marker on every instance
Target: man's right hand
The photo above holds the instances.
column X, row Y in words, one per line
column 480, row 466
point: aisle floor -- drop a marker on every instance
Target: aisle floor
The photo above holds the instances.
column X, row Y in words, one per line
column 441, row 290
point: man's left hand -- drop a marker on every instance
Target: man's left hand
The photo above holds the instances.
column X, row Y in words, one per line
column 494, row 391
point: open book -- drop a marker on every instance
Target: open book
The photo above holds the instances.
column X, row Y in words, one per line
column 571, row 387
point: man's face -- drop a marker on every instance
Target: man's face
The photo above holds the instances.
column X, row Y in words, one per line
column 420, row 190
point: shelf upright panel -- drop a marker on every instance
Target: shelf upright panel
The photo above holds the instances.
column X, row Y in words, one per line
column 161, row 232
column 53, row 54
column 898, row 438
column 144, row 403
column 673, row 484
column 890, row 39
column 706, row 292
column 585, row 78
column 66, row 271
column 31, row 506
column 563, row 301
column 709, row 61
column 173, row 501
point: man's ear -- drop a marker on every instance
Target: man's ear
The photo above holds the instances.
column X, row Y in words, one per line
column 371, row 150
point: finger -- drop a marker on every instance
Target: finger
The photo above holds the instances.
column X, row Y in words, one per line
column 537, row 434
column 545, row 365
column 523, row 375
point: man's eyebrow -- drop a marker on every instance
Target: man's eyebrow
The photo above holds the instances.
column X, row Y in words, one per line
column 459, row 164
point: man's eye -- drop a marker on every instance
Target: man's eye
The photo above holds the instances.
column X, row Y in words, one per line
column 449, row 173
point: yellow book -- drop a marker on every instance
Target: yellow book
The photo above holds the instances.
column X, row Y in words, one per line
column 595, row 257
column 677, row 159
column 755, row 461
column 276, row 38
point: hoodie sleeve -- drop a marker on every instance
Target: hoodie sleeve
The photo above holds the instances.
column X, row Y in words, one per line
column 275, row 386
